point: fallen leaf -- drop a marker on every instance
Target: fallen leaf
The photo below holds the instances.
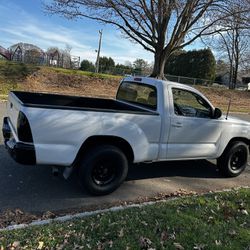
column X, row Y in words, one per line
column 100, row 246
column 232, row 233
column 110, row 243
column 40, row 245
column 244, row 211
column 172, row 236
column 178, row 246
column 60, row 247
column 48, row 215
column 217, row 242
column 145, row 243
column 212, row 211
column 210, row 219
column 16, row 244
column 121, row 233
column 199, row 246
column 19, row 211
column 164, row 236
column 83, row 237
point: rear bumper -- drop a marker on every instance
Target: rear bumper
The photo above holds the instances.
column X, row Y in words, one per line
column 21, row 152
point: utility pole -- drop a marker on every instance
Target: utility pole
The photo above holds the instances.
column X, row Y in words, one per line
column 98, row 53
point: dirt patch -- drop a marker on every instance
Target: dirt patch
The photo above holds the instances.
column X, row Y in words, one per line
column 240, row 100
column 45, row 80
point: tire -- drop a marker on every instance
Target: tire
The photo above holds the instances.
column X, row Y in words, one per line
column 103, row 169
column 234, row 159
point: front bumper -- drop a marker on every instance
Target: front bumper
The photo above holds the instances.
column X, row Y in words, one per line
column 21, row 152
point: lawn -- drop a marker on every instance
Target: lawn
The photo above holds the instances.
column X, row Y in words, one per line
column 84, row 73
column 212, row 221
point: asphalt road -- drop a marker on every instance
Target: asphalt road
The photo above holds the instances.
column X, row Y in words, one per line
column 35, row 189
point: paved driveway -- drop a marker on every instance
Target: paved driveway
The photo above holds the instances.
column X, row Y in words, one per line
column 33, row 188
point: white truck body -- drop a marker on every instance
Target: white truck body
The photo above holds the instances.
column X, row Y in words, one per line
column 59, row 133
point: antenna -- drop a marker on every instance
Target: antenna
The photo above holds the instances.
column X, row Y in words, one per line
column 228, row 108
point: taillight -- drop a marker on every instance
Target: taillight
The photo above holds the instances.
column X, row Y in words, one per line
column 23, row 128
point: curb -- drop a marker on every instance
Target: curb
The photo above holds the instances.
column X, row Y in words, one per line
column 82, row 215
column 112, row 209
column 239, row 113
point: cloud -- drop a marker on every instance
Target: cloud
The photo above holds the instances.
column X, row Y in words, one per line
column 121, row 49
column 18, row 25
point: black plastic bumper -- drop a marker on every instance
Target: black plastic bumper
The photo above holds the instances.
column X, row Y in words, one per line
column 23, row 153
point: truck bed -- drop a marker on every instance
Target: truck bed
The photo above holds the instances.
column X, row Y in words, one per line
column 55, row 101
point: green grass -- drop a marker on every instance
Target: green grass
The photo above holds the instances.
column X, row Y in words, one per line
column 13, row 70
column 6, row 86
column 12, row 73
column 16, row 71
column 80, row 72
column 214, row 221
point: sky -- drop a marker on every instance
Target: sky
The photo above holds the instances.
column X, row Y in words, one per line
column 25, row 21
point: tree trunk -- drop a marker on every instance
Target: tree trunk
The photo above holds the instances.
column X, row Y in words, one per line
column 159, row 64
column 230, row 85
column 235, row 74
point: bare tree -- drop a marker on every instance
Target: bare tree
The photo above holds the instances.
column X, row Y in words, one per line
column 233, row 43
column 66, row 56
column 159, row 26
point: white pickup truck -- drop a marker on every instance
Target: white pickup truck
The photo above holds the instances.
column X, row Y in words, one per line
column 150, row 120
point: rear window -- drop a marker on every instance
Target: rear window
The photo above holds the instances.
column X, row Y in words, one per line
column 140, row 94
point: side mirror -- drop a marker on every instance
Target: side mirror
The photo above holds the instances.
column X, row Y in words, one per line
column 217, row 113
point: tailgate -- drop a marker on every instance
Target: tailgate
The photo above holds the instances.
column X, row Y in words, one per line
column 13, row 107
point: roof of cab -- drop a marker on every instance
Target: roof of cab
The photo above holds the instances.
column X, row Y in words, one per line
column 150, row 80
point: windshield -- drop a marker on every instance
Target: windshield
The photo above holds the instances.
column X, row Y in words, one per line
column 137, row 93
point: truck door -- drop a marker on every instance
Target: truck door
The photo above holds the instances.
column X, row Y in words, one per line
column 193, row 132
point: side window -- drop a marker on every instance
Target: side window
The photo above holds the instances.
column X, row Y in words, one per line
column 190, row 104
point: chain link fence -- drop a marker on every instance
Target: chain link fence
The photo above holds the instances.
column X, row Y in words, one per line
column 147, row 72
column 69, row 62
column 124, row 71
column 190, row 80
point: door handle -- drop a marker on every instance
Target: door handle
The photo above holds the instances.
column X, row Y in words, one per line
column 177, row 125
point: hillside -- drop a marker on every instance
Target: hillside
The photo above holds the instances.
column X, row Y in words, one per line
column 75, row 82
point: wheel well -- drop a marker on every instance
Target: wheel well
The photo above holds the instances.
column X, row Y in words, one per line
column 120, row 143
column 241, row 139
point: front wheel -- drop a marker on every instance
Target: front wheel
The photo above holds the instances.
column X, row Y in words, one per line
column 234, row 160
column 103, row 169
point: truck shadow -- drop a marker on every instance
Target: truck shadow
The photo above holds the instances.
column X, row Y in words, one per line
column 34, row 188
column 189, row 169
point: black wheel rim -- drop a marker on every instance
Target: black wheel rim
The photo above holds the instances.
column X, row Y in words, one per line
column 238, row 159
column 103, row 173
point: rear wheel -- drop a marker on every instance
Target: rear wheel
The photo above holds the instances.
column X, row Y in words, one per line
column 103, row 169
column 234, row 160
